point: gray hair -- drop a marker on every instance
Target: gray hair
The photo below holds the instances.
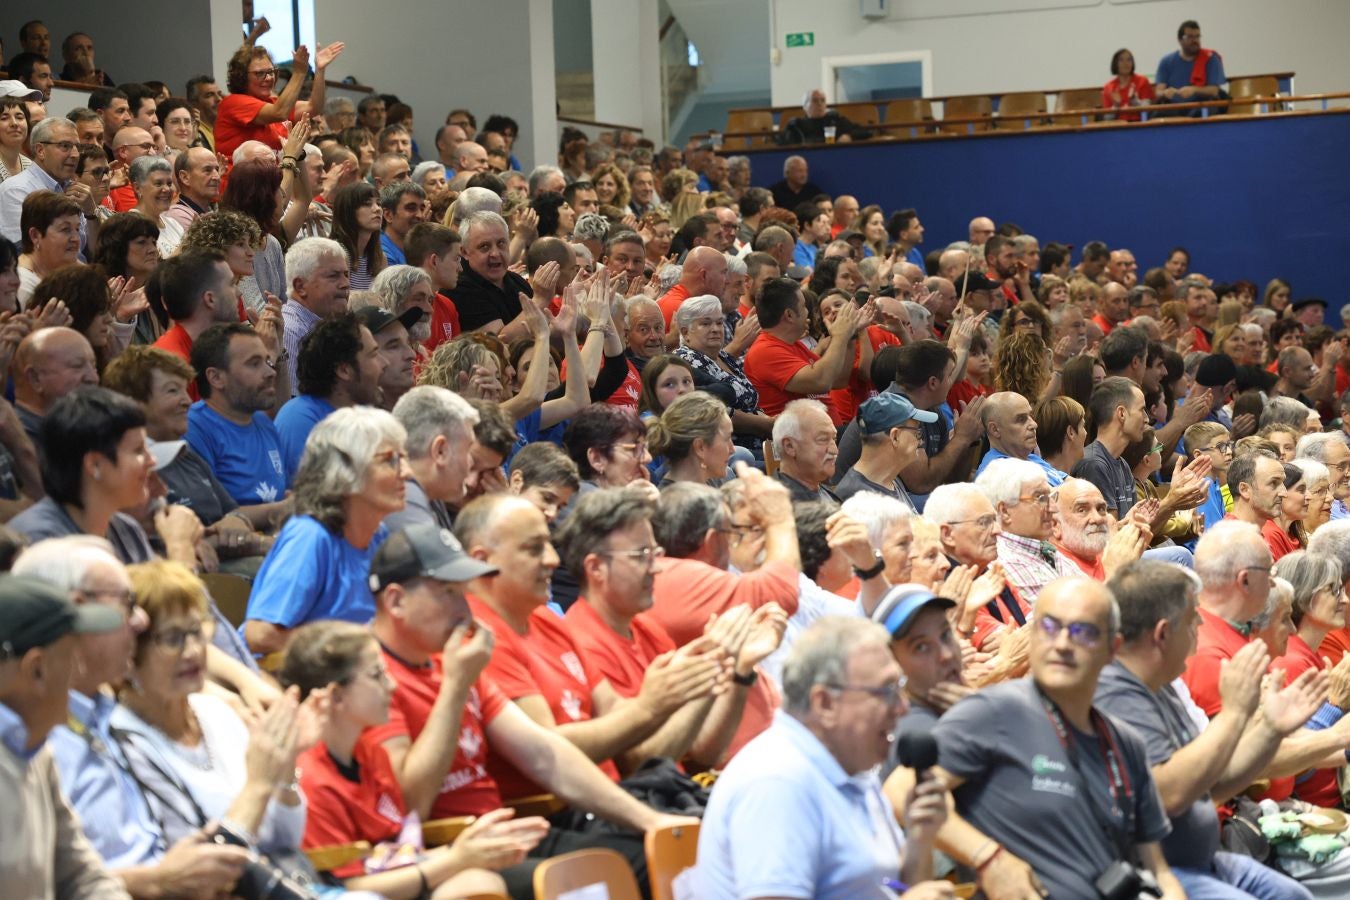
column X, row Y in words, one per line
column 1312, row 446
column 539, row 174
column 142, row 167
column 64, row 562
column 1002, row 480
column 820, row 655
column 337, row 105
column 668, row 277
column 42, row 131
column 425, row 168
column 1280, row 590
column 427, row 412
column 590, row 227
column 1313, row 471
column 738, row 162
column 307, row 255
column 337, row 460
column 1023, row 241
column 948, row 502
column 393, row 285
column 481, row 219
column 1225, row 549
column 1285, row 411
column 735, row 265
column 789, row 421
column 1262, row 314
column 787, row 162
column 1333, row 539
column 918, row 313
column 477, row 200
column 696, row 308
column 683, row 516
column 1308, row 574
column 877, row 513
column 964, row 246
column 1191, row 364
column 247, row 148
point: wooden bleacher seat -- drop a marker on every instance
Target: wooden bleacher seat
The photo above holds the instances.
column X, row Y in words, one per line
column 335, row 856
column 439, row 832
column 967, row 107
column 582, row 869
column 770, row 459
column 230, row 593
column 915, row 111
column 1074, row 100
column 749, row 120
column 860, row 113
column 1018, row 112
column 535, row 805
column 669, row 852
column 1259, row 86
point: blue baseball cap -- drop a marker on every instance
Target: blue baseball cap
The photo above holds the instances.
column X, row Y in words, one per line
column 901, row 604
column 890, row 410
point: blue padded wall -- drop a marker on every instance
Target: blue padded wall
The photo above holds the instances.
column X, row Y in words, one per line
column 1251, row 198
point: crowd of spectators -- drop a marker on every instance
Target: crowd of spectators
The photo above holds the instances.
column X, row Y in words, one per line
column 939, row 562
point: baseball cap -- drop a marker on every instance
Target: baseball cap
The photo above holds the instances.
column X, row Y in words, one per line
column 18, row 89
column 377, row 318
column 34, row 613
column 976, row 281
column 889, row 410
column 164, row 452
column 423, row 551
column 901, row 604
column 1216, row 370
column 848, row 234
column 1296, row 306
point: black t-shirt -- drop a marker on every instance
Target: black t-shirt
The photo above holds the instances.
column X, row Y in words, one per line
column 1022, row 790
column 479, row 301
column 787, row 198
column 1110, row 474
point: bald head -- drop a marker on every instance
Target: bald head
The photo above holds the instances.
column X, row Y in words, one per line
column 253, row 150
column 981, row 230
column 477, row 524
column 705, row 271
column 470, row 156
column 50, row 363
column 131, row 143
column 952, row 264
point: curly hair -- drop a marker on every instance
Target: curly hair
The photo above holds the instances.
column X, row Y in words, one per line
column 330, row 344
column 219, row 231
column 114, row 239
column 674, row 182
column 623, row 193
column 236, row 71
column 825, row 274
column 1023, row 364
column 1083, row 291
column 547, row 205
column 1032, row 310
column 252, row 190
column 450, row 359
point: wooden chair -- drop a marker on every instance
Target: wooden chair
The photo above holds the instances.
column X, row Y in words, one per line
column 1022, row 112
column 967, row 107
column 1078, row 98
column 669, row 852
column 914, row 111
column 749, row 120
column 439, row 832
column 230, row 593
column 535, row 805
column 770, row 459
column 335, row 856
column 859, row 113
column 585, row 868
column 1258, row 86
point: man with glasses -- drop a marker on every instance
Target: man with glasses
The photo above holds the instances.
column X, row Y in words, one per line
column 1197, row 768
column 1026, row 511
column 800, row 813
column 1044, row 776
column 1331, row 449
column 129, row 144
column 892, row 432
column 56, row 156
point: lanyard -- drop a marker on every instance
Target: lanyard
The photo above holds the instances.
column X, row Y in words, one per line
column 1122, row 796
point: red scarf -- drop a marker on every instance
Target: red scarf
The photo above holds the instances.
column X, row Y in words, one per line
column 1198, row 67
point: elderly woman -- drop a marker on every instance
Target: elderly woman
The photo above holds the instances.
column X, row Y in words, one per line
column 49, row 225
column 252, row 112
column 694, row 436
column 236, row 237
column 1317, row 489
column 13, row 133
column 197, row 761
column 609, row 445
column 350, row 478
column 106, row 323
column 152, row 180
column 702, row 339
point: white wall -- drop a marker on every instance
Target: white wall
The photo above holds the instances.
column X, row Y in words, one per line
column 1009, row 45
column 729, row 35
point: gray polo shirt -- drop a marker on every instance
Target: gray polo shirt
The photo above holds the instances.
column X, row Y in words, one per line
column 1022, row 790
column 1110, row 474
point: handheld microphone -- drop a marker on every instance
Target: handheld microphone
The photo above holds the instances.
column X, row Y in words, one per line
column 917, row 750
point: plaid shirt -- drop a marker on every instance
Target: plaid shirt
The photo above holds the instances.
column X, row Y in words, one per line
column 1032, row 564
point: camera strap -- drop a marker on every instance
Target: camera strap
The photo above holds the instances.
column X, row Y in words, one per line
column 1122, row 795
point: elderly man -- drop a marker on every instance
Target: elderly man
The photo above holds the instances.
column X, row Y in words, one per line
column 488, row 294
column 892, row 433
column 1122, row 269
column 317, row 272
column 804, row 441
column 1012, row 434
column 196, row 171
column 777, row 364
column 1195, row 769
column 1113, row 308
column 1084, row 531
column 470, row 157
column 48, row 365
column 55, row 156
column 128, row 145
column 1331, row 449
column 819, row 125
column 1034, row 731
column 799, row 813
column 439, row 446
column 1021, row 496
column 704, row 272
column 446, row 721
column 796, row 186
column 78, row 52
column 1256, row 482
column 45, row 853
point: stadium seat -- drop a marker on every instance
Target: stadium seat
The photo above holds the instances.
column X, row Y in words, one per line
column 749, row 120
column 335, row 856
column 230, row 592
column 770, row 459
column 582, row 869
column 914, row 111
column 669, row 852
column 859, row 113
column 1078, row 98
column 1018, row 112
column 438, row 832
column 968, row 107
column 1259, row 86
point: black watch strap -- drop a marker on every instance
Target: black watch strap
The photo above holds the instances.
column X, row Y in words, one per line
column 747, row 680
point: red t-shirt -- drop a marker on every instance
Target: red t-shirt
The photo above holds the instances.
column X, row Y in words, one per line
column 770, row 364
column 468, row 788
column 342, row 811
column 1216, row 642
column 628, row 393
column 177, row 341
column 123, row 198
column 686, row 592
column 444, row 322
column 844, row 401
column 986, row 624
column 1093, row 569
column 1201, row 339
column 1317, row 786
column 671, row 300
column 234, row 124
column 1137, row 87
column 1278, row 540
column 1335, row 645
column 542, row 661
column 1103, row 323
column 963, row 392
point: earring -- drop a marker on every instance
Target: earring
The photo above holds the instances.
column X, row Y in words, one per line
column 98, row 474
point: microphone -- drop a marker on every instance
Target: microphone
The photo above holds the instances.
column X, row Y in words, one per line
column 917, row 750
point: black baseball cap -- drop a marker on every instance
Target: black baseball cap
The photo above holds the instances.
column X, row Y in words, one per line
column 976, row 281
column 377, row 318
column 1216, row 370
column 34, row 613
column 423, row 551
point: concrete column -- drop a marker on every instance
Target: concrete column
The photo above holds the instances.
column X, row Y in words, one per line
column 624, row 37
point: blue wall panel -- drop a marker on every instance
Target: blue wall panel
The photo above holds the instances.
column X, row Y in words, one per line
column 1251, row 198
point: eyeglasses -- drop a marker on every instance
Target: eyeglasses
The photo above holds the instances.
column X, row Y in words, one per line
column 1084, row 634
column 1157, row 448
column 66, row 146
column 1222, row 447
column 644, row 555
column 264, row 73
column 637, row 448
column 175, row 639
column 124, row 598
column 983, row 522
column 99, row 172
column 1040, row 498
column 393, row 459
column 890, row 694
column 147, row 146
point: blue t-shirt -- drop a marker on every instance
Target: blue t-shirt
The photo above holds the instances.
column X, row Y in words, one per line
column 915, row 255
column 295, row 421
column 1054, row 477
column 312, row 574
column 1175, row 72
column 246, row 459
column 392, row 254
column 804, row 254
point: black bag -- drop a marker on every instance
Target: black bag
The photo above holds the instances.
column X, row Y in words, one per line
column 659, row 783
column 1241, row 832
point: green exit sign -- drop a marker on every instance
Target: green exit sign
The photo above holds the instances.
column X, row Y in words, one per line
column 802, row 39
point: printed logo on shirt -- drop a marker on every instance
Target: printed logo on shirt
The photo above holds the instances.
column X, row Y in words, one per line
column 571, row 704
column 386, row 807
column 1047, row 784
column 470, row 742
column 275, row 457
column 573, row 665
column 267, row 493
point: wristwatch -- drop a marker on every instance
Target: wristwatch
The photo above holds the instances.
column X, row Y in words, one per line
column 746, row 680
column 877, row 568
